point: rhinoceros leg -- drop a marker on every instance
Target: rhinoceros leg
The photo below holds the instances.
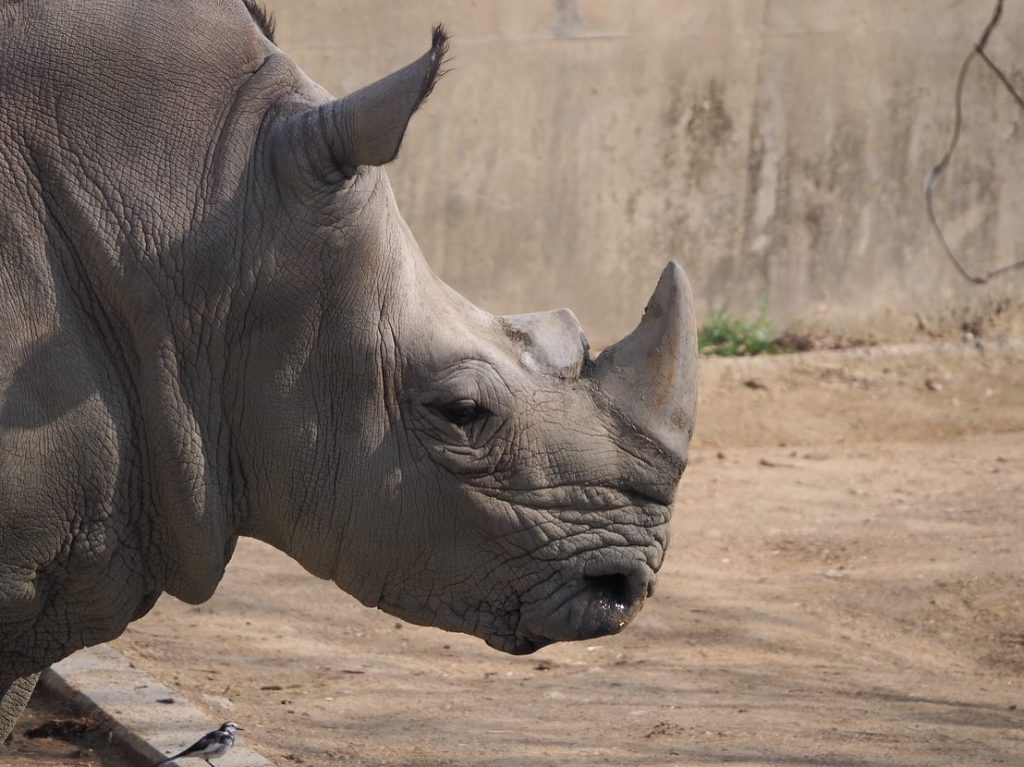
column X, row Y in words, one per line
column 13, row 699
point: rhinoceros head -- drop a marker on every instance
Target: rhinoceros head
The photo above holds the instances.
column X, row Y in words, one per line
column 262, row 350
column 475, row 472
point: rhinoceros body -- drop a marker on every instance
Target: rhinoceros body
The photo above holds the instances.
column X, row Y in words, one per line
column 214, row 322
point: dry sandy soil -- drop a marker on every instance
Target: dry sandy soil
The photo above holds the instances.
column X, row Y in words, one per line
column 845, row 587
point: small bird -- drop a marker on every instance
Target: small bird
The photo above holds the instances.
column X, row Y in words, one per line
column 212, row 745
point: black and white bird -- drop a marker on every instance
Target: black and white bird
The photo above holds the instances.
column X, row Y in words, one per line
column 212, row 745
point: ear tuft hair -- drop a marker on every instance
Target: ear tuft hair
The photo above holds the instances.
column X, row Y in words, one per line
column 263, row 18
column 439, row 42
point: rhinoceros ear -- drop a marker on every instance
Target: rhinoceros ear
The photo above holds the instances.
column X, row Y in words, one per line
column 366, row 127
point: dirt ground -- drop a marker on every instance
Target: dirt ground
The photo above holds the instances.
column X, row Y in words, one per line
column 845, row 586
column 50, row 734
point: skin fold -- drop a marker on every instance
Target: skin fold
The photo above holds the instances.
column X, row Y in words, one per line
column 214, row 322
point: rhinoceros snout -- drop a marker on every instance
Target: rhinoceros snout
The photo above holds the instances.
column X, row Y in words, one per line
column 588, row 606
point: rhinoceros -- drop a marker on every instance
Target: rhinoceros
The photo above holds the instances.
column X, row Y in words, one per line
column 214, row 322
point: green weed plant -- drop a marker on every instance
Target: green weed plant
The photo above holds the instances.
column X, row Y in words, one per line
column 727, row 335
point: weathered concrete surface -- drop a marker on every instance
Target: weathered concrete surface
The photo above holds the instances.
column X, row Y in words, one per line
column 778, row 148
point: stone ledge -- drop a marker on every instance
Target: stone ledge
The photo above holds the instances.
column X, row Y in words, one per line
column 99, row 681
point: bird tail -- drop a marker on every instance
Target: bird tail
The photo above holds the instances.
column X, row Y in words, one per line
column 169, row 759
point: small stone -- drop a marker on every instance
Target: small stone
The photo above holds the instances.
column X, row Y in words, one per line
column 217, row 701
column 932, row 385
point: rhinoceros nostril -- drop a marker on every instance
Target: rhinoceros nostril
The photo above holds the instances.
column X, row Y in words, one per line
column 613, row 588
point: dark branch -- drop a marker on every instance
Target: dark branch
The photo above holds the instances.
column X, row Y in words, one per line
column 940, row 166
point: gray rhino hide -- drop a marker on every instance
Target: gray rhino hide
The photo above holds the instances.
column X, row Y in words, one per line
column 214, row 322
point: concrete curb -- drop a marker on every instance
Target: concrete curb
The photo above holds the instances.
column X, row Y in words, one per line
column 100, row 682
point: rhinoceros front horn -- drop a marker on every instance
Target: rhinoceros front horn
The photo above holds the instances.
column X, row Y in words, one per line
column 650, row 376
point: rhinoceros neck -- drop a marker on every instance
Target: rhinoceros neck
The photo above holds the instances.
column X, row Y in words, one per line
column 110, row 423
column 160, row 319
column 140, row 293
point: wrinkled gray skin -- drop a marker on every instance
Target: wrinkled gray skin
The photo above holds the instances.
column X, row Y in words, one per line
column 214, row 322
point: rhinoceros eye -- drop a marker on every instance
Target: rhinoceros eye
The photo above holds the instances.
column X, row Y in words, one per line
column 463, row 412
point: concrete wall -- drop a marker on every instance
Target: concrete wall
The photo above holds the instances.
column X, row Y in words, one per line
column 777, row 148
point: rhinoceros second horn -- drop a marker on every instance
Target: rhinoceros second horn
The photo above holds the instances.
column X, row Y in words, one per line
column 651, row 374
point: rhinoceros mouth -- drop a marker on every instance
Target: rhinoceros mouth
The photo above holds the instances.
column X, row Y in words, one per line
column 601, row 602
column 517, row 645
